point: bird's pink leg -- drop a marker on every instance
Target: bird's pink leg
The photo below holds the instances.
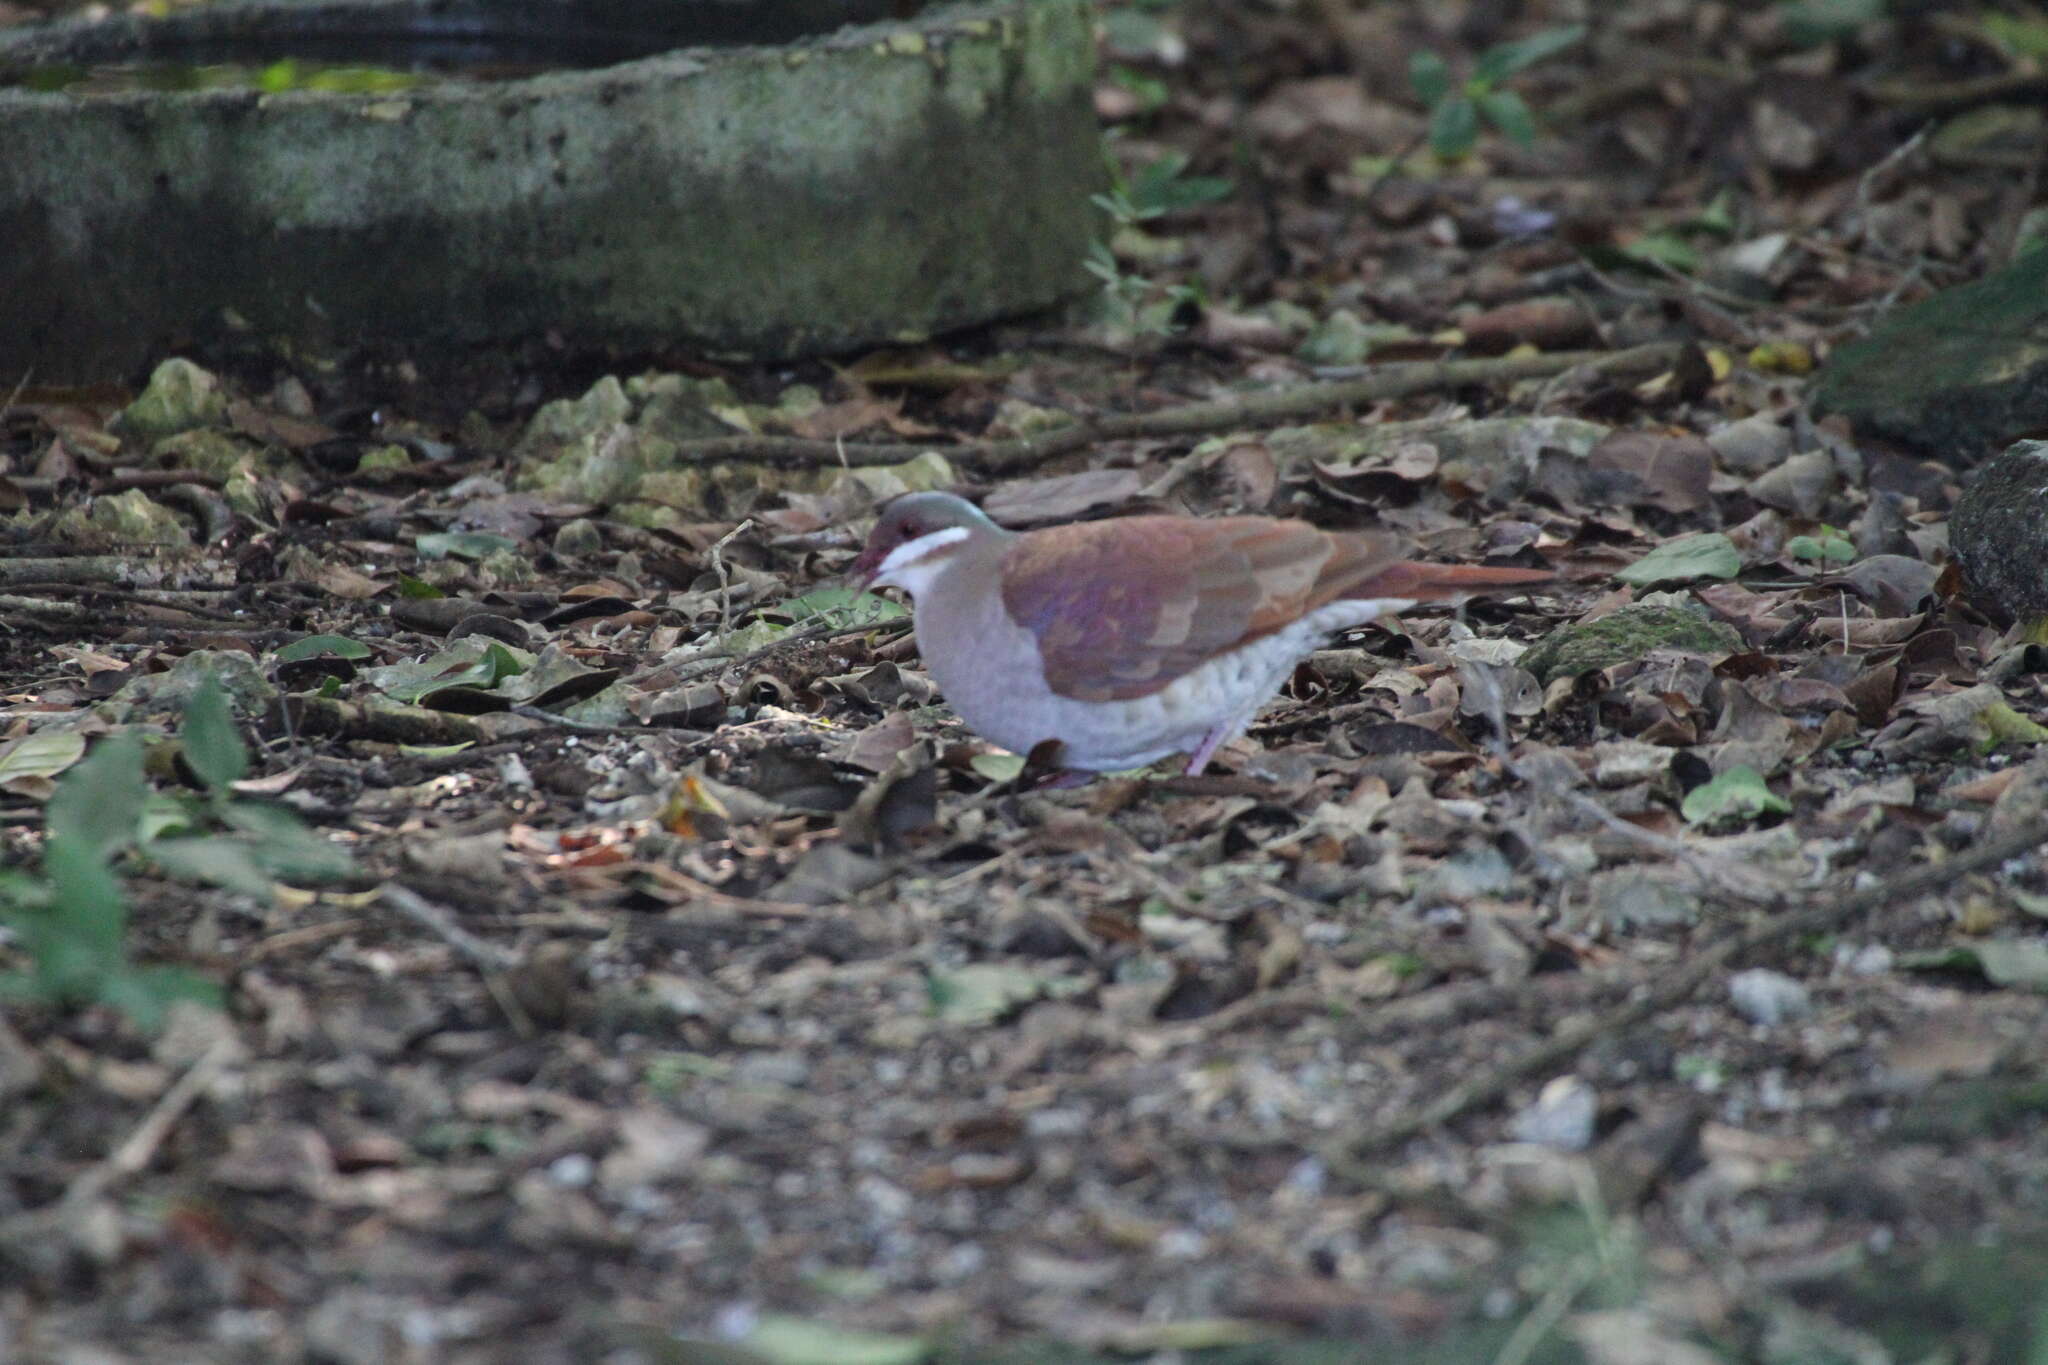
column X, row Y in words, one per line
column 1211, row 742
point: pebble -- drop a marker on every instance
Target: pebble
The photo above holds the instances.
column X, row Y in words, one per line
column 1563, row 1116
column 1770, row 998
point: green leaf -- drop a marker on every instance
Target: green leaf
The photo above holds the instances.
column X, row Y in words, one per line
column 1507, row 112
column 1708, row 554
column 1151, row 93
column 1824, row 548
column 795, row 1341
column 283, row 846
column 97, row 804
column 76, row 938
column 1453, row 127
column 1430, row 78
column 1496, row 64
column 2021, row 37
column 145, row 994
column 2012, row 962
column 42, row 754
column 981, row 992
column 474, row 661
column 434, row 750
column 417, row 588
column 214, row 859
column 213, row 747
column 847, row 606
column 317, row 646
column 1665, row 246
column 164, row 815
column 997, row 767
column 1809, row 23
column 1738, row 794
column 1159, row 188
column 462, row 544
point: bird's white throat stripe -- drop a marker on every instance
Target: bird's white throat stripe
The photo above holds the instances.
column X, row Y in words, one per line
column 909, row 567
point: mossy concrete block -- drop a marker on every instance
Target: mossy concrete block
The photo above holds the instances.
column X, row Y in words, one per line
column 1999, row 532
column 1955, row 374
column 1625, row 635
column 876, row 183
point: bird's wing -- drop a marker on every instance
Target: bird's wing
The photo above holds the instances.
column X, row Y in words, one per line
column 1122, row 608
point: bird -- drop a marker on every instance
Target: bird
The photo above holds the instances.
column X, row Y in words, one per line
column 1133, row 638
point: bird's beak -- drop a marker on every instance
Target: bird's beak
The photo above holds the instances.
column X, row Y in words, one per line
column 861, row 573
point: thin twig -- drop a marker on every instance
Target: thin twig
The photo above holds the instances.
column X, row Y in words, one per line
column 724, row 578
column 1295, row 403
column 439, row 922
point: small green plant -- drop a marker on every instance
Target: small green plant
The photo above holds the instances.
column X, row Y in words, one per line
column 72, row 921
column 1130, row 302
column 1826, row 545
column 1456, row 112
column 218, row 837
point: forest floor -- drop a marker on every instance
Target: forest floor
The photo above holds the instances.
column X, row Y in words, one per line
column 695, row 988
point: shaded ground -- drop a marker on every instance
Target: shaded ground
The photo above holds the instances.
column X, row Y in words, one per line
column 1675, row 1000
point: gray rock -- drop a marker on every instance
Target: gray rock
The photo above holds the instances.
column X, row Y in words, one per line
column 1624, row 897
column 1999, row 531
column 579, row 538
column 1627, row 634
column 1753, row 445
column 1955, row 373
column 1562, row 1117
column 1800, row 484
column 1769, row 998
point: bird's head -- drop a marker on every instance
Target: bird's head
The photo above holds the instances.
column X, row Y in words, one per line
column 916, row 535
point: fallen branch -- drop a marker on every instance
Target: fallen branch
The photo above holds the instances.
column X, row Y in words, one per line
column 1297, row 403
column 112, row 570
column 1672, row 988
column 322, row 717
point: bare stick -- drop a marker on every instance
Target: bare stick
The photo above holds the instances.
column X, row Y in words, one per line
column 437, row 921
column 724, row 579
column 1296, row 403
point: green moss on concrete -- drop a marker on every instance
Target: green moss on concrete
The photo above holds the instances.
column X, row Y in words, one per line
column 690, row 198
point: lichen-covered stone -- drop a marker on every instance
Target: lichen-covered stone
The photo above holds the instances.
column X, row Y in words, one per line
column 678, row 408
column 207, row 451
column 1999, row 532
column 383, row 459
column 579, row 538
column 130, row 518
column 568, row 422
column 238, row 674
column 180, row 396
column 1627, row 634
